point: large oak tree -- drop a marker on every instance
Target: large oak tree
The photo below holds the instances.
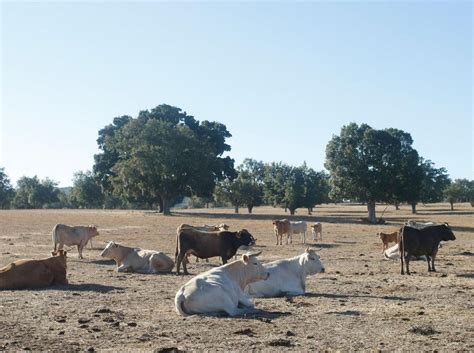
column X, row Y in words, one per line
column 162, row 154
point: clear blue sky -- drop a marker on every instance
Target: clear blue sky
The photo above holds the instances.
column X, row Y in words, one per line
column 284, row 77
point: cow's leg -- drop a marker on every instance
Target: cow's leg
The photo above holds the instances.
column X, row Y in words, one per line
column 224, row 259
column 401, row 263
column 80, row 247
column 123, row 268
column 428, row 259
column 433, row 261
column 321, row 235
column 407, row 262
column 179, row 261
column 90, row 243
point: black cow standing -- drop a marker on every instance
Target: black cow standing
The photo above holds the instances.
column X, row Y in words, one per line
column 419, row 242
column 209, row 244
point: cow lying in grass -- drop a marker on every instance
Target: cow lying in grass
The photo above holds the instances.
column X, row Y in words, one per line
column 29, row 274
column 221, row 289
column 287, row 277
column 137, row 260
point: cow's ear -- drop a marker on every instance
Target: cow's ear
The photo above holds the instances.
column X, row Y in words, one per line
column 307, row 249
column 54, row 253
column 245, row 258
column 239, row 233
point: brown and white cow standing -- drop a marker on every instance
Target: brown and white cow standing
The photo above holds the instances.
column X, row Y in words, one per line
column 69, row 236
column 24, row 274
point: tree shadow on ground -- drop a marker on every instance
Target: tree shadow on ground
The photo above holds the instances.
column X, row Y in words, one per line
column 346, row 296
column 271, row 217
column 466, row 275
column 84, row 287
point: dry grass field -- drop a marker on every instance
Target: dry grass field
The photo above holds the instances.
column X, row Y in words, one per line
column 361, row 302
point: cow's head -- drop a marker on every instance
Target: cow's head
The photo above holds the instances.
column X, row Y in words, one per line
column 311, row 263
column 254, row 270
column 246, row 238
column 59, row 253
column 109, row 250
column 93, row 232
column 222, row 226
column 447, row 233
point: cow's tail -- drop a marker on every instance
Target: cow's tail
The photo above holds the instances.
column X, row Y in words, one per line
column 179, row 303
column 54, row 237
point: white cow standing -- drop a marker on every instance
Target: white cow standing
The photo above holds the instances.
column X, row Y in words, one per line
column 137, row 260
column 221, row 289
column 299, row 227
column 287, row 277
column 69, row 236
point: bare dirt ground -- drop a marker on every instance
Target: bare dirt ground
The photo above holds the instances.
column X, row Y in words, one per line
column 360, row 303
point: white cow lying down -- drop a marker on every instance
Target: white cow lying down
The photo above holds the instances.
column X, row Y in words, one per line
column 137, row 260
column 221, row 289
column 287, row 277
column 394, row 254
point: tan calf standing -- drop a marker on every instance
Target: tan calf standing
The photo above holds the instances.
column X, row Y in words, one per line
column 388, row 238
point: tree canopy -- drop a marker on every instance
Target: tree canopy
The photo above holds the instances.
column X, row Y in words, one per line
column 369, row 165
column 33, row 193
column 163, row 153
column 6, row 190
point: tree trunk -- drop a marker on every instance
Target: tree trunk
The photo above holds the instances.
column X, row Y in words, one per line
column 292, row 211
column 397, row 206
column 285, row 209
column 452, row 206
column 236, row 208
column 371, row 209
column 160, row 205
column 166, row 206
column 309, row 210
column 250, row 208
column 413, row 208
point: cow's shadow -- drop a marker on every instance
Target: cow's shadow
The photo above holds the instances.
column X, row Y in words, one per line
column 346, row 296
column 255, row 314
column 102, row 262
column 84, row 287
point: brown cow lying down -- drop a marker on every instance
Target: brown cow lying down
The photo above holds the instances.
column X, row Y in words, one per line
column 24, row 274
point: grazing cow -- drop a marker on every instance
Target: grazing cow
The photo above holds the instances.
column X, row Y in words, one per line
column 281, row 227
column 78, row 235
column 287, row 277
column 316, row 229
column 137, row 260
column 23, row 274
column 298, row 228
column 388, row 238
column 425, row 241
column 221, row 289
column 206, row 244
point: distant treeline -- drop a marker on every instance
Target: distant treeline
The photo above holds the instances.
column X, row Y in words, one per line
column 155, row 160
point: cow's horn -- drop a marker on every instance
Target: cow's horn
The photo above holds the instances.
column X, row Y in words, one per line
column 254, row 253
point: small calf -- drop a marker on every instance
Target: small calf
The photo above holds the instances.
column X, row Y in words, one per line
column 388, row 238
column 316, row 229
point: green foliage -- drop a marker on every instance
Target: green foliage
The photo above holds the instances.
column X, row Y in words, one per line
column 461, row 190
column 162, row 154
column 369, row 165
column 435, row 181
column 86, row 192
column 294, row 187
column 6, row 190
column 33, row 193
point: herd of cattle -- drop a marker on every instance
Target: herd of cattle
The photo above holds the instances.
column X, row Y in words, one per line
column 226, row 288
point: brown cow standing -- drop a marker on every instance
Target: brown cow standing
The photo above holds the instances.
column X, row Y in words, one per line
column 281, row 227
column 23, row 274
column 388, row 238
